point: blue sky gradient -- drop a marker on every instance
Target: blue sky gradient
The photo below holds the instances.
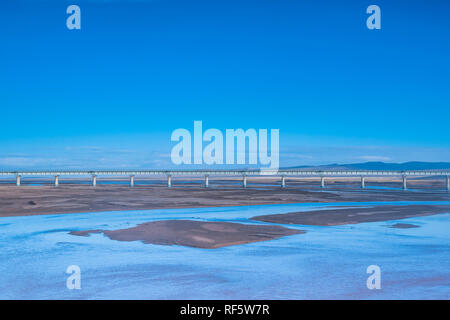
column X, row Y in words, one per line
column 110, row 95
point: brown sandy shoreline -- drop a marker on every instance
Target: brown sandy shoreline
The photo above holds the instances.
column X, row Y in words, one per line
column 38, row 200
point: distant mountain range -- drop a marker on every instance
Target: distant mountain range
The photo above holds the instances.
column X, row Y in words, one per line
column 412, row 165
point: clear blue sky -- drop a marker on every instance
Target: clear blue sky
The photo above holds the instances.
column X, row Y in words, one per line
column 110, row 94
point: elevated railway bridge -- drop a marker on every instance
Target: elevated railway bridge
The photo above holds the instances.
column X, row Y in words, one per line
column 282, row 175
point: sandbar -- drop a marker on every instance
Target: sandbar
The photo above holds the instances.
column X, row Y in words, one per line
column 342, row 216
column 199, row 234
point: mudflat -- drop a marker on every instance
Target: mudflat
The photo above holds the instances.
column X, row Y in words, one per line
column 340, row 216
column 47, row 199
column 199, row 234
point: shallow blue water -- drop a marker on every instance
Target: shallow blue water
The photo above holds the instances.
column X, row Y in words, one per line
column 326, row 262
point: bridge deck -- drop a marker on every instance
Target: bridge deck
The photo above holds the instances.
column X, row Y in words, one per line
column 313, row 173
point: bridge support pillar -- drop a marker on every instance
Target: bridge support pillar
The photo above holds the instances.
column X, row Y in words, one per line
column 404, row 181
column 322, row 182
column 169, row 181
column 283, row 182
column 244, row 181
column 206, row 181
column 56, row 181
column 132, row 181
column 18, row 180
column 447, row 178
column 363, row 182
column 94, row 180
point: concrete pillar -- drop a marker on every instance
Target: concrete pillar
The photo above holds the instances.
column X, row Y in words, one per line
column 169, row 181
column 56, row 181
column 363, row 182
column 131, row 181
column 283, row 182
column 94, row 180
column 447, row 178
column 244, row 181
column 18, row 180
column 404, row 182
column 206, row 181
column 322, row 182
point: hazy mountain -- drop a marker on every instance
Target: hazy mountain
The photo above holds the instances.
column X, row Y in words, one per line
column 412, row 165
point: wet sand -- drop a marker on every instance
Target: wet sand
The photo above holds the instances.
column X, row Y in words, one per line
column 404, row 226
column 199, row 234
column 47, row 199
column 341, row 216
